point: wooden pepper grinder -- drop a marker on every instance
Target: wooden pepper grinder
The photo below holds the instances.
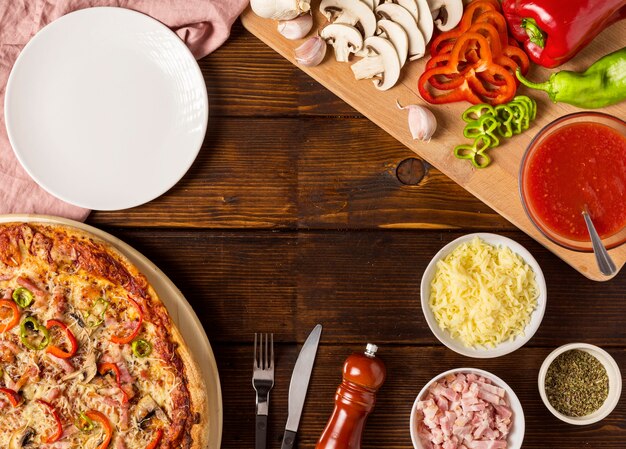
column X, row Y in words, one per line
column 363, row 375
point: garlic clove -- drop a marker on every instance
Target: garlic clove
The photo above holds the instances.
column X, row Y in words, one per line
column 422, row 122
column 311, row 52
column 280, row 9
column 296, row 28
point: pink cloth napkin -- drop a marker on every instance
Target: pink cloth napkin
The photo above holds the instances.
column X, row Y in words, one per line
column 204, row 25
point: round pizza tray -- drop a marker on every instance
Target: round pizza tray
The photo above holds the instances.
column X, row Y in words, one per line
column 179, row 309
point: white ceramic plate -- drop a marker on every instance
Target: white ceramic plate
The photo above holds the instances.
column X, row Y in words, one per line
column 106, row 108
column 505, row 347
column 179, row 309
column 515, row 437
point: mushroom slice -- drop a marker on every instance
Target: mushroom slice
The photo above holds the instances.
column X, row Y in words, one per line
column 396, row 13
column 146, row 408
column 370, row 4
column 396, row 34
column 409, row 5
column 383, row 65
column 447, row 13
column 22, row 438
column 344, row 38
column 425, row 20
column 350, row 12
column 420, row 10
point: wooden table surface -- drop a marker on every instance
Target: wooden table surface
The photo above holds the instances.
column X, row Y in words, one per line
column 300, row 211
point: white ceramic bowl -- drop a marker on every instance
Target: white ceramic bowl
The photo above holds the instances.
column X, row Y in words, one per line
column 612, row 370
column 515, row 437
column 507, row 346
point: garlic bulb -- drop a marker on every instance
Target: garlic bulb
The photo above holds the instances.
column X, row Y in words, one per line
column 280, row 9
column 296, row 28
column 311, row 52
column 422, row 122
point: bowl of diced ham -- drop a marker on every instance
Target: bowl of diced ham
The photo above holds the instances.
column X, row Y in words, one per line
column 467, row 408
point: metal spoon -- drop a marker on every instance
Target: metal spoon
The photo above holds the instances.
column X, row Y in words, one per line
column 604, row 261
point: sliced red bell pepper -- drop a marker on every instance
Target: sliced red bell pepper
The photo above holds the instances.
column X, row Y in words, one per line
column 554, row 31
column 98, row 417
column 69, row 335
column 476, row 9
column 156, row 440
column 470, row 86
column 14, row 397
column 59, row 426
column 13, row 319
column 128, row 338
column 105, row 368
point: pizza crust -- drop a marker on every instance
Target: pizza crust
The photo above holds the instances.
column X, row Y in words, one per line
column 198, row 401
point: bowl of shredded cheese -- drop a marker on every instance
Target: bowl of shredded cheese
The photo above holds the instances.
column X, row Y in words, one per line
column 483, row 295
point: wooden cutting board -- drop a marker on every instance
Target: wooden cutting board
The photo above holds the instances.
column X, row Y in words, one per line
column 497, row 185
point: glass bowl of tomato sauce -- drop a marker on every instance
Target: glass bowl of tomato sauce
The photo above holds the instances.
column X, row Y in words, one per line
column 574, row 163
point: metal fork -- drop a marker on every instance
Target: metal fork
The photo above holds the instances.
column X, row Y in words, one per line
column 262, row 381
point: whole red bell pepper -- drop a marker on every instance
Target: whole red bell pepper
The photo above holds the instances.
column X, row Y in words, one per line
column 553, row 31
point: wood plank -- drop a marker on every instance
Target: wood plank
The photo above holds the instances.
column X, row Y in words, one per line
column 305, row 173
column 247, row 78
column 497, row 186
column 361, row 285
column 409, row 368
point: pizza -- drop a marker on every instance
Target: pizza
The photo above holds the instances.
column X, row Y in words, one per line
column 89, row 357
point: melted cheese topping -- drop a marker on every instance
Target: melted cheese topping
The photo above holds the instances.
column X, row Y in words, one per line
column 482, row 294
column 70, row 385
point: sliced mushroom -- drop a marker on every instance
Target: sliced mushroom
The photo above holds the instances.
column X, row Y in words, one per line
column 22, row 438
column 345, row 39
column 370, row 4
column 383, row 65
column 350, row 12
column 409, row 5
column 147, row 408
column 447, row 13
column 396, row 34
column 425, row 20
column 87, row 371
column 396, row 13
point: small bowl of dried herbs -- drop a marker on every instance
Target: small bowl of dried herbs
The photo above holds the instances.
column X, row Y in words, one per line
column 580, row 383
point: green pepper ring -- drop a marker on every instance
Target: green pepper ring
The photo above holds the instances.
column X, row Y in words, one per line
column 82, row 418
column 37, row 328
column 141, row 348
column 23, row 297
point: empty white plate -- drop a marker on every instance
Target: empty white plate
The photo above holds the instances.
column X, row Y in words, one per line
column 106, row 108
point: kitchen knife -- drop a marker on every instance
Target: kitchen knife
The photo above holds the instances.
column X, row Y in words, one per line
column 299, row 385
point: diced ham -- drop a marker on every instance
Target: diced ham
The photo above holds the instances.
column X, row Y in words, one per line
column 58, row 445
column 491, row 389
column 52, row 394
column 503, row 411
column 443, row 404
column 119, row 444
column 125, row 376
column 31, row 285
column 61, row 363
column 489, row 397
column 59, row 302
column 464, row 412
column 446, row 426
column 487, row 444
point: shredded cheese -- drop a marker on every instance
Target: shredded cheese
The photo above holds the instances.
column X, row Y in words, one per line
column 482, row 294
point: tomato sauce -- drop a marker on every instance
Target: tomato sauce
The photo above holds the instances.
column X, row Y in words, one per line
column 582, row 164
